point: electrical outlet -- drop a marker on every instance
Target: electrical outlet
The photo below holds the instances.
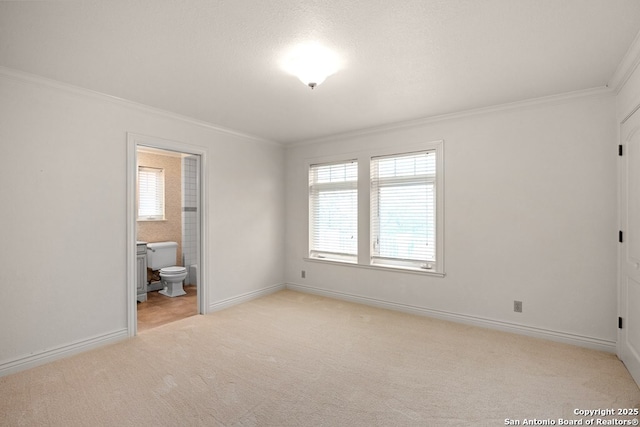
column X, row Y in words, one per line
column 517, row 306
column 303, row 274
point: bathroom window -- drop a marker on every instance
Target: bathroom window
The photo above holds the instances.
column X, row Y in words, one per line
column 150, row 194
column 403, row 210
column 333, row 211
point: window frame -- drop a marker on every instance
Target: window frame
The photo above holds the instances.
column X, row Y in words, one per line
column 314, row 251
column 160, row 177
column 398, row 182
column 364, row 207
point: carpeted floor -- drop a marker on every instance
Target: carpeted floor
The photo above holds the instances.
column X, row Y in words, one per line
column 292, row 359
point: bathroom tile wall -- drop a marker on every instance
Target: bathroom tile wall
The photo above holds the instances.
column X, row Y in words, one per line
column 190, row 215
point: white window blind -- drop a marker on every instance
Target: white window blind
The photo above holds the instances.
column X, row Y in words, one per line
column 403, row 210
column 333, row 211
column 150, row 193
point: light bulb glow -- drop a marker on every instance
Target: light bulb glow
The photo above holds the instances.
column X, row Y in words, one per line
column 312, row 63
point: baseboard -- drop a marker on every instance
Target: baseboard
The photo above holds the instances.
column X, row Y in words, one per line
column 567, row 338
column 46, row 356
column 229, row 302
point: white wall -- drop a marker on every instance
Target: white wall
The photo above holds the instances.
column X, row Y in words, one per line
column 63, row 213
column 530, row 215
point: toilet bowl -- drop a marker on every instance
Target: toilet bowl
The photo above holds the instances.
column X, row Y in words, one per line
column 172, row 278
column 161, row 257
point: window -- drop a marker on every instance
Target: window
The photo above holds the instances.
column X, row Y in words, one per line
column 333, row 211
column 403, row 210
column 150, row 194
column 393, row 220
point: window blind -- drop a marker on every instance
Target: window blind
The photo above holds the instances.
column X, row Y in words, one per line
column 403, row 206
column 150, row 193
column 333, row 211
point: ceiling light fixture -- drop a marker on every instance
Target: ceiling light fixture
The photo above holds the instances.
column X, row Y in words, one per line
column 311, row 62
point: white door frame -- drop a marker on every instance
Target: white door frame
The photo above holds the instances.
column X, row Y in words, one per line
column 133, row 142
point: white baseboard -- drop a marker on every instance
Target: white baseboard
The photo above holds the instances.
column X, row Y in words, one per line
column 564, row 337
column 46, row 356
column 228, row 302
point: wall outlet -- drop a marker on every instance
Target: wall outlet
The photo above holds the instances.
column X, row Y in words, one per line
column 517, row 306
column 303, row 274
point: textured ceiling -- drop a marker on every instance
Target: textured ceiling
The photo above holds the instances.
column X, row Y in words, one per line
column 217, row 61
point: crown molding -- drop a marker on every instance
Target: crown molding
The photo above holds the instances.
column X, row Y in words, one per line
column 527, row 103
column 627, row 66
column 28, row 78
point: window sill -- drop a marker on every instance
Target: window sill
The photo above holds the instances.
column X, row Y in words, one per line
column 150, row 220
column 331, row 260
column 392, row 268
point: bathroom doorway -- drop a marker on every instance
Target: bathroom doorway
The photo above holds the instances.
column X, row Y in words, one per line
column 165, row 182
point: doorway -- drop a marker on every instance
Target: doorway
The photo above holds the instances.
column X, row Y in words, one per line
column 174, row 171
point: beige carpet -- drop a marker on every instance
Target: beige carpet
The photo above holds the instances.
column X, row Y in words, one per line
column 292, row 359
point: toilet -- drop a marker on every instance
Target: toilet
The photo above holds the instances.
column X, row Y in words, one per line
column 162, row 256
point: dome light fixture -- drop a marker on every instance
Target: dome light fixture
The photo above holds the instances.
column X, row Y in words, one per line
column 310, row 62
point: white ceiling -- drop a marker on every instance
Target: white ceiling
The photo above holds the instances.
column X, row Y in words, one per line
column 217, row 61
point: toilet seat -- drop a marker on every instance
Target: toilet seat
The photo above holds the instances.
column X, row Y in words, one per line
column 173, row 270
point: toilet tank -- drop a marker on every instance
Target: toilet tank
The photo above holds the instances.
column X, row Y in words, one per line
column 161, row 254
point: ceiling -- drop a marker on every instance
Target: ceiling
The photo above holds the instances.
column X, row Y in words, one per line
column 217, row 61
